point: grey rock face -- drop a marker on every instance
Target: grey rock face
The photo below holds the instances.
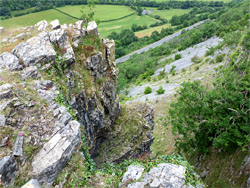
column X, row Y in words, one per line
column 42, row 25
column 92, row 28
column 56, row 153
column 248, row 183
column 9, row 61
column 8, row 170
column 33, row 183
column 133, row 173
column 34, row 51
column 29, row 72
column 5, row 87
column 55, row 24
column 165, row 175
column 45, row 85
column 78, row 31
column 5, row 94
column 60, row 38
column 48, row 95
column 18, row 147
column 2, row 120
column 137, row 185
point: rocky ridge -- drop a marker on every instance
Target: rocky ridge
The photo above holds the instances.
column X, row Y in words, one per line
column 45, row 85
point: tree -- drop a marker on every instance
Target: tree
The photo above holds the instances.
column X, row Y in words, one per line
column 88, row 16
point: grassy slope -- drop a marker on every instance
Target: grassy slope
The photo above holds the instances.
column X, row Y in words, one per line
column 33, row 18
column 117, row 26
column 226, row 1
column 102, row 12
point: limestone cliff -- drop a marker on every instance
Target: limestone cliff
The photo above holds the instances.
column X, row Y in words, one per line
column 57, row 89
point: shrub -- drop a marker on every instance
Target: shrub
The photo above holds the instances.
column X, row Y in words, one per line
column 196, row 59
column 197, row 68
column 219, row 58
column 177, row 56
column 219, row 116
column 160, row 91
column 147, row 90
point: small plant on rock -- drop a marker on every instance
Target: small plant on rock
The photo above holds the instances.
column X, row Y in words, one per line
column 160, row 91
column 147, row 90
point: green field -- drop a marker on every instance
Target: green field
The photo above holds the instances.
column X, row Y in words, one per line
column 168, row 14
column 102, row 12
column 33, row 18
column 126, row 23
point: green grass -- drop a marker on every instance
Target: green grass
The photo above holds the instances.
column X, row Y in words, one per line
column 126, row 23
column 226, row 1
column 33, row 18
column 102, row 12
column 168, row 14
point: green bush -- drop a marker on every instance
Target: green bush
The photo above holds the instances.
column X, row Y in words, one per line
column 177, row 56
column 219, row 116
column 196, row 59
column 147, row 90
column 160, row 91
column 219, row 58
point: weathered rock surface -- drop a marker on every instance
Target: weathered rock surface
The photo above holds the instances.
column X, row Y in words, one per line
column 248, row 183
column 18, row 147
column 9, row 61
column 2, row 120
column 33, row 183
column 60, row 39
column 92, row 28
column 29, row 72
column 165, row 175
column 56, row 153
column 1, row 30
column 34, row 51
column 8, row 170
column 55, row 24
column 133, row 173
column 42, row 25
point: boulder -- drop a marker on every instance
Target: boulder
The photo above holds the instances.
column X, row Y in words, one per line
column 137, row 185
column 34, row 51
column 92, row 28
column 29, row 72
column 133, row 173
column 78, row 31
column 47, row 95
column 1, row 30
column 64, row 26
column 33, row 183
column 9, row 61
column 42, row 25
column 55, row 24
column 8, row 170
column 56, row 153
column 60, row 39
column 5, row 40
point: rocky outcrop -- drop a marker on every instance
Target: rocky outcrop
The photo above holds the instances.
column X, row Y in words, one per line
column 9, row 61
column 56, row 153
column 42, row 25
column 60, row 40
column 8, row 170
column 34, row 52
column 55, row 24
column 92, row 28
column 165, row 175
column 133, row 173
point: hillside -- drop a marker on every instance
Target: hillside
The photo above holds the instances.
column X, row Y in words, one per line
column 174, row 115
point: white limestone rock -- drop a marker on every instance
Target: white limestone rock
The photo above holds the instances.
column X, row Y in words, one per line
column 9, row 61
column 133, row 173
column 55, row 24
column 56, row 153
column 60, row 39
column 92, row 28
column 29, row 72
column 34, row 51
column 42, row 25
